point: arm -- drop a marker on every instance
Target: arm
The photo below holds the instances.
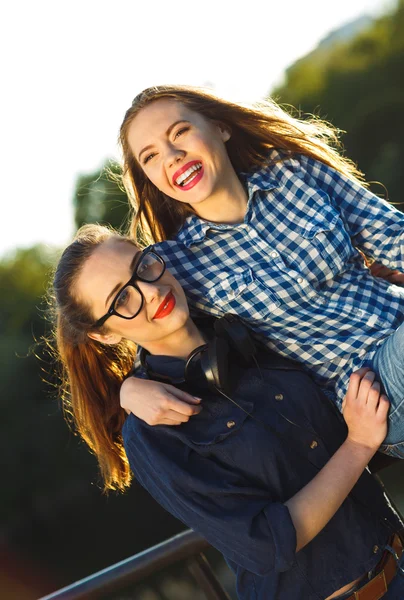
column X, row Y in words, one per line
column 374, row 225
column 157, row 403
column 239, row 518
column 365, row 412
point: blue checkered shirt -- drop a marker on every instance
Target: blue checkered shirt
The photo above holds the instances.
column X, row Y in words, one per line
column 292, row 269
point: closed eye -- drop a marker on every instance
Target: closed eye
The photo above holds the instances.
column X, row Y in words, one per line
column 149, row 157
column 180, row 132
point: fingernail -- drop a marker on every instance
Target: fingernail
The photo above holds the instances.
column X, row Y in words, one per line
column 198, row 399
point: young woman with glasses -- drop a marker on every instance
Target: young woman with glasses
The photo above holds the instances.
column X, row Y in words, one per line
column 270, row 475
column 257, row 214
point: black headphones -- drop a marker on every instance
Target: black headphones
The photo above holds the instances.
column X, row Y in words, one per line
column 231, row 340
column 230, row 336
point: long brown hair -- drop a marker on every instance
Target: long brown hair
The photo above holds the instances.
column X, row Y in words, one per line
column 255, row 130
column 91, row 372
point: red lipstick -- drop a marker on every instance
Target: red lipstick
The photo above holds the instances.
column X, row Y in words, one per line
column 195, row 174
column 165, row 307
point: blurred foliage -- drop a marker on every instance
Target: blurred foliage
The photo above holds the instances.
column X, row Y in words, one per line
column 357, row 85
column 55, row 524
column 100, row 198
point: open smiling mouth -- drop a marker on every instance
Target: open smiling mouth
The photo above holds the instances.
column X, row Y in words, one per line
column 188, row 175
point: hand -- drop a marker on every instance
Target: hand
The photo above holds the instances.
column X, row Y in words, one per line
column 157, row 403
column 390, row 275
column 365, row 410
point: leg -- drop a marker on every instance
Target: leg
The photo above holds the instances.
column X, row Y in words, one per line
column 396, row 587
column 388, row 364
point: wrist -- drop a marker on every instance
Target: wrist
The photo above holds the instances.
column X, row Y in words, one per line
column 363, row 451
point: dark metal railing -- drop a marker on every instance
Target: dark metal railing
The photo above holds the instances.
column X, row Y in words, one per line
column 187, row 545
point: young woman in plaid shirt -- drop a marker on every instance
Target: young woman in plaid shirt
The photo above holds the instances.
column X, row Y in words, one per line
column 257, row 214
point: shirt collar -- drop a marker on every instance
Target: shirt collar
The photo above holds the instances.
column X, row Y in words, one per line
column 167, row 366
column 194, row 229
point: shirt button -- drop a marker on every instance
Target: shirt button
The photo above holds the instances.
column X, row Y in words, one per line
column 300, row 280
column 231, row 424
column 375, row 549
column 360, row 313
column 274, row 254
column 313, row 444
column 279, row 397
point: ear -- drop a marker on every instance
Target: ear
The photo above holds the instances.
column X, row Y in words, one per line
column 225, row 131
column 105, row 338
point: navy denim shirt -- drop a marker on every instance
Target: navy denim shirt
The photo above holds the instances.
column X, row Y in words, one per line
column 227, row 475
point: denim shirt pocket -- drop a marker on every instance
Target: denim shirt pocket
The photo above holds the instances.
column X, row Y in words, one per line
column 216, row 426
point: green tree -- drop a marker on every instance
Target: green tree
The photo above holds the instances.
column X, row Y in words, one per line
column 358, row 86
column 53, row 515
column 99, row 198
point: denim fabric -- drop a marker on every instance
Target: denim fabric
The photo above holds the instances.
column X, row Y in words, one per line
column 396, row 587
column 227, row 476
column 292, row 270
column 388, row 363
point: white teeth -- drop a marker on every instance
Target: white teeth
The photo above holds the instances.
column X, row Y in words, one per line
column 187, row 173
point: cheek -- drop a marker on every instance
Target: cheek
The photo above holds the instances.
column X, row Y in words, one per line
column 157, row 177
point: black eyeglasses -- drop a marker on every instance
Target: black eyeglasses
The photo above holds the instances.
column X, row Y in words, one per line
column 128, row 302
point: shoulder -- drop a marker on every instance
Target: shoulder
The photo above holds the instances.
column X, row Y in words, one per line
column 279, row 164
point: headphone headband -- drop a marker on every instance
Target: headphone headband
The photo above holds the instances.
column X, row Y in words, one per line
column 230, row 335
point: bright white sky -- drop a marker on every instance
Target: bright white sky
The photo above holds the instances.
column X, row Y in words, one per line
column 70, row 70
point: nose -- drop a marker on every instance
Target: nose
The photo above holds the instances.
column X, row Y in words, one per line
column 174, row 155
column 150, row 291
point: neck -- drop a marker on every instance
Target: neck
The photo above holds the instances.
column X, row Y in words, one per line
column 179, row 344
column 228, row 204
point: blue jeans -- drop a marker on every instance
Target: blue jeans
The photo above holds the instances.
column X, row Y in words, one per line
column 388, row 364
column 395, row 590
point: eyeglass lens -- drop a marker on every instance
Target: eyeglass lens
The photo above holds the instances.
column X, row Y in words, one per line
column 149, row 269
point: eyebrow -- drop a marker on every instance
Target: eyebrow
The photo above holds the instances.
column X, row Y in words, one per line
column 119, row 285
column 167, row 134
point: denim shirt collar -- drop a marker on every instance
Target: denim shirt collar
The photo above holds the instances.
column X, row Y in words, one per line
column 168, row 366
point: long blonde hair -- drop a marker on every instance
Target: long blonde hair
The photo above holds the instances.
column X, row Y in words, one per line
column 255, row 130
column 91, row 372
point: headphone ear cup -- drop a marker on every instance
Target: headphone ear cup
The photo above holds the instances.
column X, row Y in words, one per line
column 232, row 328
column 215, row 363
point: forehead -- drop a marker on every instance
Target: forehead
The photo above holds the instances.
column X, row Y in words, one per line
column 114, row 254
column 108, row 264
column 154, row 119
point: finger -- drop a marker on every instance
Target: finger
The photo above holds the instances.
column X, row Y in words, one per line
column 374, row 395
column 377, row 271
column 179, row 417
column 362, row 371
column 178, row 406
column 397, row 278
column 376, row 268
column 365, row 385
column 170, row 422
column 354, row 383
column 385, row 272
column 383, row 407
column 181, row 395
